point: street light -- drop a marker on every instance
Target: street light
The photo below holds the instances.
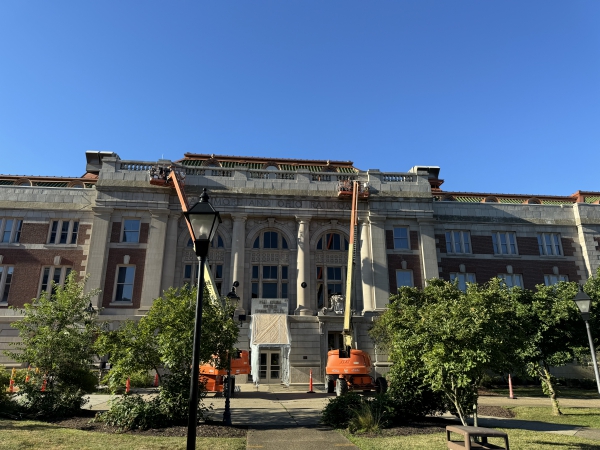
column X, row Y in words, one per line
column 584, row 302
column 204, row 221
column 227, row 413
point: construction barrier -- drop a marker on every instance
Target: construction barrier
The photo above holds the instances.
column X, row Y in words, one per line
column 310, row 384
column 156, row 380
column 127, row 386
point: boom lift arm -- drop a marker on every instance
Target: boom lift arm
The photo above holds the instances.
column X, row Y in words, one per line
column 347, row 331
column 172, row 176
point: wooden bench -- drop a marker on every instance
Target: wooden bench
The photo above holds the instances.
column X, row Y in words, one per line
column 474, row 432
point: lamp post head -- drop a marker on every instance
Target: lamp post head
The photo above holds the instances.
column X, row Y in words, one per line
column 204, row 221
column 584, row 303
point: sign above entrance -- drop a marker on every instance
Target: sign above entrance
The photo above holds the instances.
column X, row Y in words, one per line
column 270, row 306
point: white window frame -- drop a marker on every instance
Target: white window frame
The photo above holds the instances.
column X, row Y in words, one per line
column 63, row 272
column 412, row 280
column 497, row 242
column 555, row 244
column 552, row 279
column 463, row 279
column 510, row 279
column 72, row 232
column 139, row 230
column 6, row 271
column 114, row 296
column 15, row 231
column 464, row 242
column 400, row 237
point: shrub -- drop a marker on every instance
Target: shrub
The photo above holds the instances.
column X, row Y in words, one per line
column 53, row 402
column 132, row 411
column 359, row 414
column 339, row 411
column 414, row 398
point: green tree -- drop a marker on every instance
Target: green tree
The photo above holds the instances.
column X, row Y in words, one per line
column 57, row 335
column 448, row 338
column 164, row 339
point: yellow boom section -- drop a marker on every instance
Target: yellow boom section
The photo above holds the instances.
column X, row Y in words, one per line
column 347, row 332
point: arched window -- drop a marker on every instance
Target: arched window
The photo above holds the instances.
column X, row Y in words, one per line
column 269, row 279
column 217, row 242
column 331, row 260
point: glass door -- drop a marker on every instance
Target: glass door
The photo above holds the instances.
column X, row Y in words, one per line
column 270, row 366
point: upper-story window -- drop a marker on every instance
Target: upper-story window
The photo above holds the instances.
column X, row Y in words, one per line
column 401, row 238
column 51, row 277
column 463, row 279
column 131, row 231
column 6, row 274
column 512, row 279
column 458, row 242
column 272, row 240
column 124, row 284
column 63, row 232
column 10, row 230
column 551, row 280
column 549, row 244
column 505, row 243
column 404, row 278
column 332, row 241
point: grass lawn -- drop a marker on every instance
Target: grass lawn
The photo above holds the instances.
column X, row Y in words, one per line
column 41, row 435
column 518, row 439
column 582, row 417
column 536, row 391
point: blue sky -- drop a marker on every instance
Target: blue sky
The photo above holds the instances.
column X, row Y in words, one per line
column 504, row 95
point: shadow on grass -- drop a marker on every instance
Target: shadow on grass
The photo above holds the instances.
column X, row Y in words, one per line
column 26, row 425
column 566, row 445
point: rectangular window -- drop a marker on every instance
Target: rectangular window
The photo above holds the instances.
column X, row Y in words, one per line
column 404, row 278
column 463, row 279
column 512, row 279
column 505, row 243
column 6, row 274
column 63, row 232
column 549, row 244
column 255, row 272
column 401, row 238
column 269, row 290
column 270, row 272
column 551, row 280
column 124, row 287
column 254, row 290
column 10, row 230
column 131, row 231
column 52, row 277
column 458, row 242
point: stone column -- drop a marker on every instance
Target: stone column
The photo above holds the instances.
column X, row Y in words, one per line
column 98, row 251
column 587, row 229
column 303, row 306
column 429, row 263
column 381, row 282
column 366, row 267
column 153, row 266
column 170, row 258
column 238, row 251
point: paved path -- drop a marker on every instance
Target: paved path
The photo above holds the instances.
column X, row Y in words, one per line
column 491, row 400
column 297, row 438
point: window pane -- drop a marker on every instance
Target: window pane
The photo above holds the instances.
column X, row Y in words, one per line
column 53, row 231
column 284, row 243
column 254, row 272
column 467, row 242
column 401, row 238
column 131, row 230
column 270, row 272
column 320, row 244
column 334, row 289
column 334, row 273
column 270, row 239
column 187, row 271
column 64, row 232
column 269, row 290
column 556, row 244
column 190, row 243
column 448, row 242
column 219, row 271
column 74, row 232
column 471, row 278
column 548, row 244
column 403, row 278
column 9, row 274
column 256, row 243
column 495, row 242
column 45, row 278
column 513, row 245
column 254, row 290
column 284, row 290
column 319, row 273
column 284, row 272
column 220, row 243
column 540, row 245
column 457, row 248
column 7, row 230
column 503, row 245
column 56, row 277
column 19, row 229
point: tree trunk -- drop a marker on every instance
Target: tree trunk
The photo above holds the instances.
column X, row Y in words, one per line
column 461, row 414
column 550, row 391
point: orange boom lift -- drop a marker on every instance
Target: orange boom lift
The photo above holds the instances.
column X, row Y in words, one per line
column 213, row 378
column 349, row 369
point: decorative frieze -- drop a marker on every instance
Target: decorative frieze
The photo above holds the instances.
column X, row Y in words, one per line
column 273, row 257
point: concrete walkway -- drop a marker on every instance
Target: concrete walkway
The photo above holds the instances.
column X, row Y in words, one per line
column 297, row 438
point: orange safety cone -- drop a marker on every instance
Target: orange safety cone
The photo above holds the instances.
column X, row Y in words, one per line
column 156, row 380
column 44, row 385
column 310, row 384
column 11, row 386
column 510, row 388
column 27, row 377
column 127, row 386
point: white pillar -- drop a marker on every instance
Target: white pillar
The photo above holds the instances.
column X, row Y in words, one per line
column 98, row 250
column 238, row 251
column 170, row 258
column 428, row 252
column 381, row 282
column 303, row 307
column 366, row 267
column 153, row 265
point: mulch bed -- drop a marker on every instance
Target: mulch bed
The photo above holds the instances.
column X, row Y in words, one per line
column 216, row 429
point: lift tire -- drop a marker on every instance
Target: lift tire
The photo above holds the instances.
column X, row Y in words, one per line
column 330, row 382
column 341, row 387
column 381, row 385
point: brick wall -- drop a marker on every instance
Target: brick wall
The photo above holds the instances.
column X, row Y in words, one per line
column 28, row 268
column 528, row 246
column 144, row 231
column 441, row 242
column 414, row 240
column 34, row 233
column 83, row 234
column 568, row 246
column 532, row 271
column 413, row 262
column 115, row 232
column 482, row 245
column 137, row 257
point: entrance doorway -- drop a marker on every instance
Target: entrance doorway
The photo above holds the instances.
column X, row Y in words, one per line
column 270, row 366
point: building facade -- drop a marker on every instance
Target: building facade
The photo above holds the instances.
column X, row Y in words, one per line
column 284, row 227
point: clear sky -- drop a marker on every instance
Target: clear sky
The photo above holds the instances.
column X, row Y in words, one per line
column 503, row 95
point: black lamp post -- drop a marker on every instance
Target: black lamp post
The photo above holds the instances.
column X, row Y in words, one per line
column 227, row 413
column 584, row 302
column 204, row 221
